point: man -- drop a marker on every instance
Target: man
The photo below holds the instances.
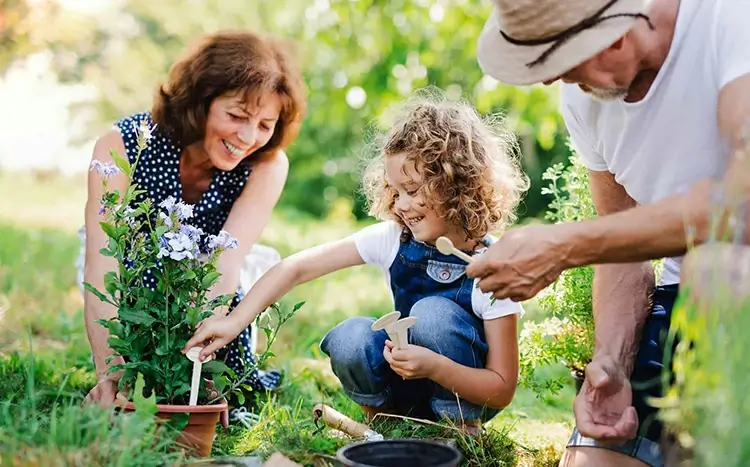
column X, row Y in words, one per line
column 655, row 96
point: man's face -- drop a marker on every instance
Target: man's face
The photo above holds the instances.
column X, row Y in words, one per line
column 607, row 76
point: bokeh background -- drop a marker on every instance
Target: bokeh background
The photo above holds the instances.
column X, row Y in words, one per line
column 70, row 68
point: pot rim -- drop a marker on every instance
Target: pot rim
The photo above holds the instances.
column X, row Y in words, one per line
column 222, row 406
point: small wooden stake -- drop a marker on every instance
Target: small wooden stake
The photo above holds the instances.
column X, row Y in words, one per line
column 192, row 355
column 400, row 329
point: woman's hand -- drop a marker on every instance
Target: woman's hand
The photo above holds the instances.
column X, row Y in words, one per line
column 214, row 333
column 413, row 362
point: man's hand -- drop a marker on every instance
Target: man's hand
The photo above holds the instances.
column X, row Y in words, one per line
column 103, row 393
column 523, row 261
column 603, row 409
column 214, row 332
column 413, row 362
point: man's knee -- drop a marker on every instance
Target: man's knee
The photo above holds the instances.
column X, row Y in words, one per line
column 597, row 457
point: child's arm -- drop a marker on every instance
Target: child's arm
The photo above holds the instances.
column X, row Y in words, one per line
column 493, row 385
column 294, row 270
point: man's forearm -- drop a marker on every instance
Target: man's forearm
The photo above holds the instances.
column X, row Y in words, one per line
column 621, row 303
column 652, row 231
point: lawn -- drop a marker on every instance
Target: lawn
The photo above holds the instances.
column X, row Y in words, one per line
column 45, row 367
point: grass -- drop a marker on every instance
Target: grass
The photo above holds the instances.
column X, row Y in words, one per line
column 43, row 318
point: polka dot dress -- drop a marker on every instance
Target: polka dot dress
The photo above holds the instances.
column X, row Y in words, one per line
column 158, row 173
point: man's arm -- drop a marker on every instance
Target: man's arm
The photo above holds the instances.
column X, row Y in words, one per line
column 621, row 291
column 632, row 235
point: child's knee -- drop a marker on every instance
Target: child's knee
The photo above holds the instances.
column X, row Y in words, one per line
column 352, row 345
column 440, row 320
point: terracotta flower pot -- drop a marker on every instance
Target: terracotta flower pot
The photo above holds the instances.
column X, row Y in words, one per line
column 198, row 435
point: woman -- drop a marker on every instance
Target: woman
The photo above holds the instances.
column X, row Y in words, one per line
column 220, row 123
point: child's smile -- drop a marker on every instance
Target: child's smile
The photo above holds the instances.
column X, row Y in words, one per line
column 425, row 224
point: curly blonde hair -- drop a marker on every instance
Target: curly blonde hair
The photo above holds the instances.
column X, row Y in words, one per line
column 470, row 174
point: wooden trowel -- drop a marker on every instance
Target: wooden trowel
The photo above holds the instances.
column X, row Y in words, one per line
column 336, row 420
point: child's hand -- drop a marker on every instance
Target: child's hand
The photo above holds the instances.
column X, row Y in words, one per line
column 214, row 333
column 413, row 362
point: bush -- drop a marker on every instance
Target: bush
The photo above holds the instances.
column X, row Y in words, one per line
column 566, row 336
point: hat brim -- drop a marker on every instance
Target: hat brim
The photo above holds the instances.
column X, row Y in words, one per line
column 507, row 62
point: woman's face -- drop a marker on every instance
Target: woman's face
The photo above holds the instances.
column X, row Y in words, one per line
column 236, row 129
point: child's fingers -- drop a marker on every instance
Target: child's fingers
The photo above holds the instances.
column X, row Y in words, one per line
column 201, row 335
column 389, row 344
column 211, row 348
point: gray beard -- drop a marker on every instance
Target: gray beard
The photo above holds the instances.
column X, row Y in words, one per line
column 605, row 94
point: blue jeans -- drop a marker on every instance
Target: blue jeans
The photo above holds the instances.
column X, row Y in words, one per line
column 444, row 327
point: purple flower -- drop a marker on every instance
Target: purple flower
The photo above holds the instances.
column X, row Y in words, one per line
column 105, row 169
column 167, row 220
column 178, row 246
column 223, row 240
column 169, row 204
column 193, row 232
column 184, row 211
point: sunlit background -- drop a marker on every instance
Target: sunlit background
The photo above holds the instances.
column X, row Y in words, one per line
column 70, row 68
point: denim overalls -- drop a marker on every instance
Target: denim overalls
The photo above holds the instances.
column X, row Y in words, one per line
column 434, row 288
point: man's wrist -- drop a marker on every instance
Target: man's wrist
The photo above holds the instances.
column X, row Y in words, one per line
column 579, row 240
column 622, row 361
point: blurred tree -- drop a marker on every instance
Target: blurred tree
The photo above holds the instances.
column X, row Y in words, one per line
column 359, row 57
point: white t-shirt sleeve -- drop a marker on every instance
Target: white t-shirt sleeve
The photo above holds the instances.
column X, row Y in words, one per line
column 377, row 244
column 732, row 36
column 487, row 310
column 580, row 136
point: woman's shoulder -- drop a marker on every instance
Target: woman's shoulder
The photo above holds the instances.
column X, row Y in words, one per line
column 141, row 123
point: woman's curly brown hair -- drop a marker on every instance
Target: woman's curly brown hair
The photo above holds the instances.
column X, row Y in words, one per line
column 228, row 62
column 469, row 171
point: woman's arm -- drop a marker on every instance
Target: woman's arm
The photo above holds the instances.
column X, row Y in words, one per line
column 248, row 217
column 495, row 384
column 294, row 270
column 97, row 265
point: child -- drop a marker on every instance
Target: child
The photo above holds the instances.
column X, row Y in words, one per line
column 441, row 172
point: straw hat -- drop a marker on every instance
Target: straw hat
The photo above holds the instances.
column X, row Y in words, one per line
column 530, row 41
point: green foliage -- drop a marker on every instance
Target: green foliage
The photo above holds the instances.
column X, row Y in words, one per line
column 706, row 405
column 38, row 430
column 358, row 59
column 567, row 335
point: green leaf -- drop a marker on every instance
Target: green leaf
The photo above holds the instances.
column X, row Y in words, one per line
column 143, row 405
column 119, row 346
column 297, row 306
column 215, row 367
column 128, row 315
column 116, row 329
column 121, row 162
column 110, row 230
column 111, row 283
column 209, row 279
column 96, row 292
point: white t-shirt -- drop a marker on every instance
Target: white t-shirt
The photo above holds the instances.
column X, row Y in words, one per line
column 378, row 245
column 663, row 144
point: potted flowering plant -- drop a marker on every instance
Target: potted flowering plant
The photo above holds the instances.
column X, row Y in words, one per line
column 156, row 318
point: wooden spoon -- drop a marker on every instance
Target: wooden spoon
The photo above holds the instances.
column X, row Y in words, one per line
column 445, row 246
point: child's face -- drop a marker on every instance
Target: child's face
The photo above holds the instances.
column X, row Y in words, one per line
column 425, row 224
